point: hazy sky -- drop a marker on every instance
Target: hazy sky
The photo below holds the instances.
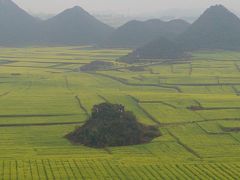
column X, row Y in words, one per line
column 122, row 6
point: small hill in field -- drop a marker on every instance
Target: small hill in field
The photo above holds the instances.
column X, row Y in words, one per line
column 111, row 125
column 137, row 33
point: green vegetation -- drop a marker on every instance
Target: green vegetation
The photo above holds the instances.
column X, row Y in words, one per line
column 44, row 96
column 110, row 125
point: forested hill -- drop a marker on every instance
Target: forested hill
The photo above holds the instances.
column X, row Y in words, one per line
column 73, row 26
column 137, row 33
column 216, row 29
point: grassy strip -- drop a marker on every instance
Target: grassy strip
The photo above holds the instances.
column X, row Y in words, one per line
column 200, row 121
column 35, row 115
column 125, row 82
column 39, row 124
column 159, row 102
column 205, row 84
column 212, row 108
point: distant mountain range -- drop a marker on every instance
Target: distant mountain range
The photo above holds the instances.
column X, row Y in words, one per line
column 74, row 26
column 16, row 26
column 217, row 28
column 137, row 33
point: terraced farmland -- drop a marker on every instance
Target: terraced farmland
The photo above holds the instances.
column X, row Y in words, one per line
column 44, row 96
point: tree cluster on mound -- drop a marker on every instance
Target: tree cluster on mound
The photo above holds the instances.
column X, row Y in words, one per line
column 111, row 125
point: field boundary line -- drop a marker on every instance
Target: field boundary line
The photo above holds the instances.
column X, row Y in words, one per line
column 200, row 121
column 190, row 150
column 158, row 102
column 123, row 81
column 214, row 108
column 103, row 98
column 143, row 110
column 236, row 91
column 81, row 106
column 210, row 133
column 202, row 84
column 5, row 94
column 35, row 115
column 39, row 124
column 67, row 83
column 237, row 67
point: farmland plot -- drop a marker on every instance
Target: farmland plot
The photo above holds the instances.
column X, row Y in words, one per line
column 44, row 96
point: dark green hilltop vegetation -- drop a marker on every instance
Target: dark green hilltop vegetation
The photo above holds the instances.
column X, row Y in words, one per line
column 216, row 29
column 111, row 125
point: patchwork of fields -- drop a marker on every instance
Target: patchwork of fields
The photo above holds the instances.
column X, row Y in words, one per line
column 44, row 96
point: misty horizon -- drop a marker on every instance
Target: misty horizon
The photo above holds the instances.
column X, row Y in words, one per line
column 153, row 8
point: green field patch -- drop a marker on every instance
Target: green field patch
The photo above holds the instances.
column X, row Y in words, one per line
column 95, row 169
column 217, row 55
column 221, row 114
column 207, row 145
column 89, row 100
column 32, row 64
column 38, row 91
column 44, row 119
column 211, row 127
column 165, row 114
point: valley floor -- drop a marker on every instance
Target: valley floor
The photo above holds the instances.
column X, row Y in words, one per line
column 44, row 96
